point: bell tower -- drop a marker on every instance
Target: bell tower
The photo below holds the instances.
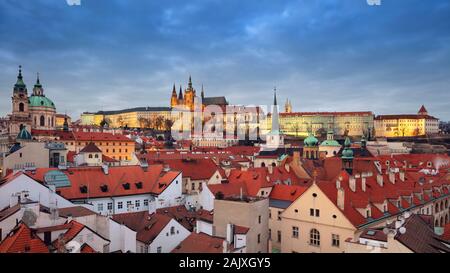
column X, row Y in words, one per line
column 20, row 116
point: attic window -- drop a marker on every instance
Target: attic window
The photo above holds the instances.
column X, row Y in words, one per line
column 104, row 188
column 139, row 185
column 83, row 189
column 126, row 186
column 314, row 195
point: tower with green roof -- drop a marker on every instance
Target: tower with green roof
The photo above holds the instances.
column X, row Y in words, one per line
column 20, row 116
column 347, row 156
column 42, row 109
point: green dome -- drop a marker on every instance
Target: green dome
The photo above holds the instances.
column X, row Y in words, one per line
column 347, row 153
column 41, row 101
column 329, row 142
column 311, row 141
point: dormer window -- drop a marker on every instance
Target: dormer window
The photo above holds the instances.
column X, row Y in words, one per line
column 83, row 189
column 104, row 188
column 138, row 185
column 126, row 186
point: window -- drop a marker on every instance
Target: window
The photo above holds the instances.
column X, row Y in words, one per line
column 193, row 186
column 279, row 236
column 90, row 155
column 128, row 204
column 172, row 230
column 314, row 212
column 270, row 214
column 96, row 155
column 100, row 206
column 158, row 249
column 259, row 219
column 279, row 215
column 294, row 232
column 137, row 203
column 270, row 234
column 119, row 205
column 335, row 240
column 21, row 107
column 259, row 238
column 110, row 207
column 145, row 202
column 42, row 121
column 314, row 237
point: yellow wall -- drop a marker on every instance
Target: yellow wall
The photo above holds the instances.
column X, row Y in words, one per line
column 325, row 224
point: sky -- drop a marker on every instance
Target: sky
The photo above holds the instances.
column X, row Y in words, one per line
column 324, row 55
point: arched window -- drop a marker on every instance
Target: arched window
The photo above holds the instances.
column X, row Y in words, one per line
column 314, row 237
column 90, row 155
column 53, row 122
column 48, row 124
column 96, row 155
column 263, row 165
column 35, row 120
column 42, row 121
column 21, row 107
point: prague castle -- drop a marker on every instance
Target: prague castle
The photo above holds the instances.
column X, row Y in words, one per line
column 187, row 99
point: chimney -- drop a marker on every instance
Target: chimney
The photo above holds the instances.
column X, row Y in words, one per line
column 402, row 175
column 380, row 180
column 392, row 177
column 363, row 184
column 225, row 246
column 352, row 183
column 296, row 157
column 341, row 198
column 230, row 233
column 241, row 195
column 105, row 169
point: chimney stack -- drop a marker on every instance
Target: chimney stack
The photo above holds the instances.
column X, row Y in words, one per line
column 341, row 198
column 363, row 184
column 380, row 180
column 352, row 183
column 392, row 177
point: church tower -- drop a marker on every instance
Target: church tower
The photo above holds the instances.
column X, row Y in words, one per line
column 189, row 95
column 20, row 116
column 288, row 106
column 275, row 138
column 173, row 98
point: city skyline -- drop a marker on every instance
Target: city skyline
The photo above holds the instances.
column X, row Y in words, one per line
column 325, row 56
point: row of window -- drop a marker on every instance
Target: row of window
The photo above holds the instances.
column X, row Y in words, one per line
column 314, row 237
column 137, row 204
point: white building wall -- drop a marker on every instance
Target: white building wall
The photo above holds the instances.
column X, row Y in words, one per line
column 204, row 227
column 168, row 241
column 206, row 198
column 36, row 190
column 172, row 195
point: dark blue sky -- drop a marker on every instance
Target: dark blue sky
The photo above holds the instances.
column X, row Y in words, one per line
column 327, row 55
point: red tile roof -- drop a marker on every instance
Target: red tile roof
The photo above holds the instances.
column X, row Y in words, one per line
column 147, row 226
column 200, row 243
column 85, row 248
column 22, row 240
column 195, row 169
column 287, row 192
column 185, row 217
column 154, row 181
column 100, row 136
column 241, row 229
column 90, row 148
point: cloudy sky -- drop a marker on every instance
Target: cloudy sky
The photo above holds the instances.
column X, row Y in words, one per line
column 325, row 55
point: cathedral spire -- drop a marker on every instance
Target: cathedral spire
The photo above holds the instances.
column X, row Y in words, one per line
column 275, row 121
column 174, row 91
column 180, row 95
column 190, row 82
column 38, row 90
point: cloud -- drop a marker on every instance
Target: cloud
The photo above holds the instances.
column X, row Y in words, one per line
column 324, row 55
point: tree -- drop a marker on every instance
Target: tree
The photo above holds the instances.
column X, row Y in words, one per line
column 159, row 121
column 168, row 123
